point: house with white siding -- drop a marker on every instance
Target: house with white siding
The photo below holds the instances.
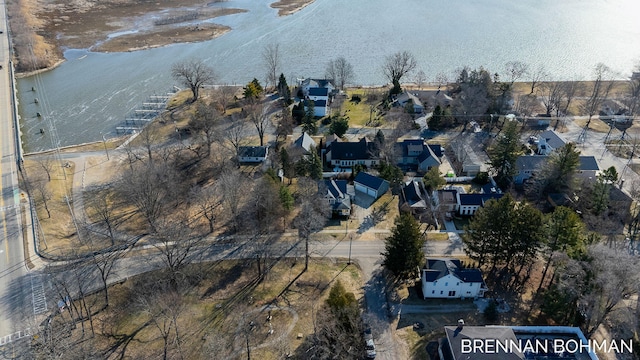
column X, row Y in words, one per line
column 446, row 278
column 348, row 154
column 252, row 154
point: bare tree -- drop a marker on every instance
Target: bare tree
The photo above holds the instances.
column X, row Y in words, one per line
column 314, row 212
column 615, row 278
column 223, row 96
column 204, row 121
column 271, row 61
column 177, row 244
column 192, row 73
column 442, row 79
column 515, row 70
column 102, row 205
column 235, row 135
column 570, row 90
column 398, row 65
column 551, row 95
column 420, row 78
column 341, row 71
column 526, row 104
column 152, row 189
column 208, row 200
column 536, row 76
column 47, row 164
column 602, row 86
column 632, row 95
column 163, row 305
column 233, row 189
column 150, row 138
column 259, row 114
column 43, row 194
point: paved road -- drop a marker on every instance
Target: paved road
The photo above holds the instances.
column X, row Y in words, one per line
column 13, row 273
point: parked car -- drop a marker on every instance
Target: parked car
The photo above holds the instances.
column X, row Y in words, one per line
column 369, row 345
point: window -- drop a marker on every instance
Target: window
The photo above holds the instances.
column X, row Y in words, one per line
column 452, row 293
column 440, row 292
column 468, row 292
column 446, row 284
column 457, row 283
column 433, row 291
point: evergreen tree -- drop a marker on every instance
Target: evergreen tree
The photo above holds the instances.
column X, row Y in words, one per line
column 435, row 122
column 433, row 179
column 564, row 231
column 288, row 167
column 284, row 91
column 286, row 198
column 309, row 121
column 392, row 173
column 339, row 126
column 502, row 156
column 253, row 90
column 403, row 253
column 315, row 165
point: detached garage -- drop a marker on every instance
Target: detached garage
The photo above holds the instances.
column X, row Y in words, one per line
column 370, row 185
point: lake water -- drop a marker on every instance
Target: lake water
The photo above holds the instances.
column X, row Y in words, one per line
column 87, row 96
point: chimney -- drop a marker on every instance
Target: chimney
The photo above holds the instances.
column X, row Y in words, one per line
column 459, row 328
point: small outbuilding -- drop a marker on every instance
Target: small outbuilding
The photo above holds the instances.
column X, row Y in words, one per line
column 370, row 185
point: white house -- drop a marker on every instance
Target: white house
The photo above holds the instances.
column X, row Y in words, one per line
column 348, row 154
column 468, row 204
column 409, row 98
column 252, row 154
column 446, row 278
column 320, row 92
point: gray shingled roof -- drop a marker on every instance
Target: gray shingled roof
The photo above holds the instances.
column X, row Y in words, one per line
column 369, row 180
column 552, row 139
column 252, row 151
column 318, row 91
column 588, row 163
column 305, row 142
column 437, row 268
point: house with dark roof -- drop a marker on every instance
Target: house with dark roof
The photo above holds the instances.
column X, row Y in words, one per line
column 370, row 185
column 447, row 278
column 252, row 154
column 418, row 156
column 588, row 167
column 468, row 204
column 528, row 165
column 348, row 154
column 320, row 91
column 548, row 141
column 412, row 198
column 336, row 192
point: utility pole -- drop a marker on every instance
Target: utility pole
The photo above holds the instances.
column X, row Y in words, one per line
column 104, row 142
